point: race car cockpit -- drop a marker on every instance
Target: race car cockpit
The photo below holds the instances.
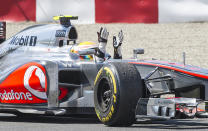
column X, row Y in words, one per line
column 87, row 47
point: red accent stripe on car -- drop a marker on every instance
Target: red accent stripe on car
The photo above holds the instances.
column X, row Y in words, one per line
column 172, row 68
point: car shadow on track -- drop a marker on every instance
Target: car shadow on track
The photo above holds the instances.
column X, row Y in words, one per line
column 49, row 119
column 182, row 124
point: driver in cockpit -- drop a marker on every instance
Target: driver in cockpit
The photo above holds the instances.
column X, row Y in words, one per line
column 100, row 48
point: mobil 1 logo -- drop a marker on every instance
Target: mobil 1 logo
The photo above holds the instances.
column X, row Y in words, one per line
column 24, row 40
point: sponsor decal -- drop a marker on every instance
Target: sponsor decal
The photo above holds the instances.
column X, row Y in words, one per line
column 34, row 81
column 25, row 85
column 15, row 95
column 24, row 40
column 60, row 33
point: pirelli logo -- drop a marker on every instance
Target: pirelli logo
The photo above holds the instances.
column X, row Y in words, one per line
column 60, row 33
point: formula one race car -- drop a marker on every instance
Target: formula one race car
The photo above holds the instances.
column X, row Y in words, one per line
column 43, row 70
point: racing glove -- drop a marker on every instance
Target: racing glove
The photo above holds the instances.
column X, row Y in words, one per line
column 102, row 39
column 117, row 45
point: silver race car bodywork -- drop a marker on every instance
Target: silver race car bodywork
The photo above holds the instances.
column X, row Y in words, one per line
column 39, row 74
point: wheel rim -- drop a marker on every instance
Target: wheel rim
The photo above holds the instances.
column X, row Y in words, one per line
column 104, row 95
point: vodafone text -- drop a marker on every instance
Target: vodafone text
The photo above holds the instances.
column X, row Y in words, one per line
column 15, row 95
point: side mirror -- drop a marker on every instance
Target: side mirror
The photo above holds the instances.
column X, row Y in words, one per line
column 137, row 51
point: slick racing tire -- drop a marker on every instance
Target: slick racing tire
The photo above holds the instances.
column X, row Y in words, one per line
column 118, row 87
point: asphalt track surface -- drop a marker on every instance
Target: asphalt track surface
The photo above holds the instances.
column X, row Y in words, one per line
column 160, row 41
column 13, row 123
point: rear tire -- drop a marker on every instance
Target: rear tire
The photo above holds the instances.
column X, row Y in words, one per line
column 118, row 87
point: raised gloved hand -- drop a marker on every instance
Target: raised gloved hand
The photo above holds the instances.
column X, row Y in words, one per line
column 120, row 36
column 102, row 39
column 103, row 35
column 118, row 43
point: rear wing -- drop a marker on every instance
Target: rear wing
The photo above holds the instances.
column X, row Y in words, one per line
column 65, row 20
column 2, row 32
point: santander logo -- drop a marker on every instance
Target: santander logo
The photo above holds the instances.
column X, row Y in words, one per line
column 35, row 82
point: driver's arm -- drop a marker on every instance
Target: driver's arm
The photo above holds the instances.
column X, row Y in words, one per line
column 117, row 45
column 102, row 39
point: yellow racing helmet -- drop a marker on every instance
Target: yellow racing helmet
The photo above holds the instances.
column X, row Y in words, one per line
column 84, row 46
